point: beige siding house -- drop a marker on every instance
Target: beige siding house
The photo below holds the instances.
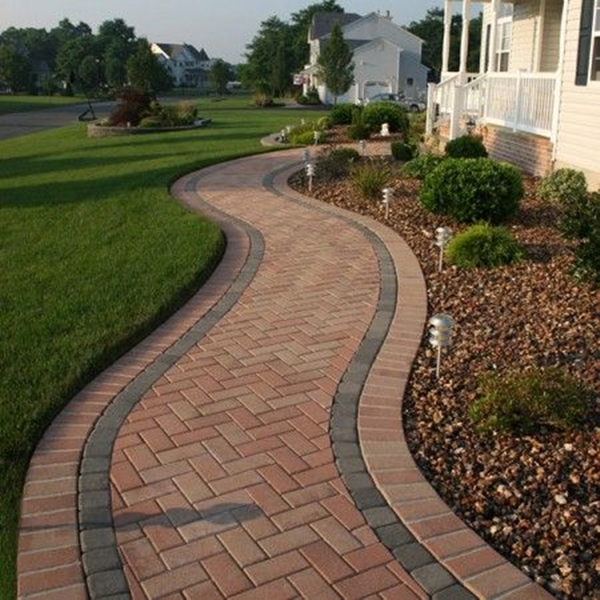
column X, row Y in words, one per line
column 535, row 99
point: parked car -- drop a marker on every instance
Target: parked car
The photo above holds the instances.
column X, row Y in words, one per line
column 409, row 104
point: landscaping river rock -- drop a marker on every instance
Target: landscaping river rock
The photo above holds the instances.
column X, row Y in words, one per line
column 534, row 498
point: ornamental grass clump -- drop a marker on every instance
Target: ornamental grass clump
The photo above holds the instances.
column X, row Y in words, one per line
column 473, row 189
column 483, row 245
column 524, row 402
column 336, row 163
column 370, row 177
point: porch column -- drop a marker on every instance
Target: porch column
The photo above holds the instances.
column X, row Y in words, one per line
column 447, row 30
column 491, row 66
column 464, row 41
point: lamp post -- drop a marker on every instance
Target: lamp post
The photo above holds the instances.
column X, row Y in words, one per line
column 387, row 197
column 442, row 236
column 439, row 336
column 310, row 171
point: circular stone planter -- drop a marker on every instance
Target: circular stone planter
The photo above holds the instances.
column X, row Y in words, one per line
column 96, row 130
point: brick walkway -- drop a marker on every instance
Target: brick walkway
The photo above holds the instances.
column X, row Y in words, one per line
column 252, row 446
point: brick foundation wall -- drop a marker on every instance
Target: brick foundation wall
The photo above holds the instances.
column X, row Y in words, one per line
column 531, row 153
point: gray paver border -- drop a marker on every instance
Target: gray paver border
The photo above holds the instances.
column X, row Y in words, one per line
column 103, row 568
column 423, row 567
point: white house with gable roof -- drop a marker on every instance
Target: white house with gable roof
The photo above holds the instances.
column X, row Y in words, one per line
column 187, row 66
column 387, row 58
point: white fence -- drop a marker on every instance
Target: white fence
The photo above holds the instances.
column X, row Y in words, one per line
column 520, row 101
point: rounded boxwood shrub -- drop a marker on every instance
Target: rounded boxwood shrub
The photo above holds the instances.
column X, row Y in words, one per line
column 420, row 166
column 358, row 131
column 402, row 151
column 483, row 245
column 473, row 189
column 466, row 146
column 376, row 114
column 521, row 402
column 341, row 114
column 561, row 185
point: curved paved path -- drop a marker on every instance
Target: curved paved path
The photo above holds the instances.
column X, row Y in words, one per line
column 252, row 446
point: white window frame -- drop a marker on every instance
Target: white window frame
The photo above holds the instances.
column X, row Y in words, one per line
column 505, row 23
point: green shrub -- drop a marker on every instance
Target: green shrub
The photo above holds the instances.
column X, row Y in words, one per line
column 132, row 107
column 376, row 114
column 581, row 222
column 305, row 134
column 341, row 114
column 579, row 218
column 358, row 132
column 303, row 138
column 483, row 246
column 473, row 189
column 335, row 164
column 150, row 122
column 416, row 127
column 402, row 151
column 561, row 185
column 522, row 402
column 311, row 98
column 466, row 146
column 324, row 123
column 263, row 100
column 420, row 166
column 370, row 177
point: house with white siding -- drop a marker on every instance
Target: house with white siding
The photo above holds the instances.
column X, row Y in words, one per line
column 535, row 98
column 386, row 57
column 187, row 66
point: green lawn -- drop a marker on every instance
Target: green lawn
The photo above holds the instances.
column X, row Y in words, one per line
column 11, row 104
column 94, row 253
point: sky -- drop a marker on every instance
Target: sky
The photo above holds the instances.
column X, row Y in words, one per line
column 222, row 27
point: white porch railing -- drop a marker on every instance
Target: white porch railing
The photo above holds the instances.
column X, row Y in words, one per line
column 519, row 101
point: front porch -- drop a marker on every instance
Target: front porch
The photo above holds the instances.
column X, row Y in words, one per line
column 518, row 83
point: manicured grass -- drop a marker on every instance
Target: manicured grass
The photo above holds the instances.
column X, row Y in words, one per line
column 95, row 253
column 12, row 104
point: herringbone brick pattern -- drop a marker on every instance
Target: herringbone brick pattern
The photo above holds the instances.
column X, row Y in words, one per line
column 223, row 477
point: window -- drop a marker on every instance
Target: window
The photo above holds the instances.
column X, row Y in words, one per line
column 595, row 62
column 504, row 38
column 587, row 63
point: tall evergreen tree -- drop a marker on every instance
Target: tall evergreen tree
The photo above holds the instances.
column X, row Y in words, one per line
column 336, row 68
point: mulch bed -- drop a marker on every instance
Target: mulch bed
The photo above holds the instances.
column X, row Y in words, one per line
column 533, row 498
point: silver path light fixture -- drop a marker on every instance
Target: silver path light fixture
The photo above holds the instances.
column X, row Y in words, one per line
column 442, row 236
column 440, row 336
column 387, row 198
column 310, row 171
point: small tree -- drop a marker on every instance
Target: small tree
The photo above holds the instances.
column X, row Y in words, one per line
column 220, row 74
column 336, row 68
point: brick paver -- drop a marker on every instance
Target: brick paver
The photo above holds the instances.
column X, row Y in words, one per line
column 229, row 478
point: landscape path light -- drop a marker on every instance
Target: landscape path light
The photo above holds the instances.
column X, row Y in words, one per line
column 310, row 171
column 362, row 144
column 317, row 137
column 442, row 236
column 283, row 136
column 439, row 336
column 306, row 156
column 387, row 198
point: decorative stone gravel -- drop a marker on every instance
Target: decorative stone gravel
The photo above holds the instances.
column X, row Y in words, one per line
column 535, row 498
